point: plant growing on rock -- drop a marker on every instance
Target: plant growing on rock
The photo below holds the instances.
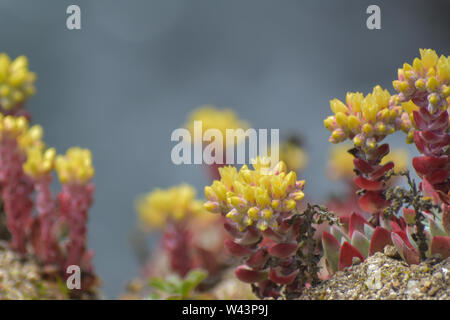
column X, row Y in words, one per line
column 367, row 121
column 272, row 237
column 423, row 88
column 421, row 110
column 427, row 221
column 26, row 167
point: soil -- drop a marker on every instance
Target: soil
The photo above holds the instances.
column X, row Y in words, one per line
column 381, row 277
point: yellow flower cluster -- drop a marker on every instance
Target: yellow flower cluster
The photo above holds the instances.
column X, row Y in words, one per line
column 16, row 81
column 255, row 197
column 39, row 162
column 340, row 165
column 366, row 120
column 429, row 73
column 214, row 118
column 18, row 128
column 13, row 127
column 75, row 166
column 158, row 207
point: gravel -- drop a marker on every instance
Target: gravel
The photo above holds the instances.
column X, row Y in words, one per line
column 385, row 278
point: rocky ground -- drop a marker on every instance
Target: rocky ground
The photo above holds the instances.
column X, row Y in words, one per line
column 20, row 279
column 386, row 278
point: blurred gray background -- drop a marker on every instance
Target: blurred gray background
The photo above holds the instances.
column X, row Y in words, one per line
column 121, row 84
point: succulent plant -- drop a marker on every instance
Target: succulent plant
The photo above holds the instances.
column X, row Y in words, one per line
column 359, row 241
column 26, row 168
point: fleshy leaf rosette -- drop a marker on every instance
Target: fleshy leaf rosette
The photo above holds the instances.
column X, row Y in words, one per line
column 341, row 247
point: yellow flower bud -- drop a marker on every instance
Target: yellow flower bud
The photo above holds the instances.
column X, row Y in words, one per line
column 354, row 123
column 337, row 106
column 367, row 128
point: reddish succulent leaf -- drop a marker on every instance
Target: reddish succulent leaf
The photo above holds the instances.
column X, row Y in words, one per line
column 232, row 231
column 348, row 252
column 362, row 165
column 367, row 184
column 409, row 215
column 205, row 259
column 273, row 235
column 331, row 248
column 338, row 233
column 248, row 275
column 408, row 254
column 435, row 228
column 356, row 223
column 382, row 150
column 381, row 237
column 418, row 141
column 438, row 176
column 372, row 202
column 381, row 171
column 394, row 226
column 429, row 191
column 441, row 245
column 424, row 113
column 282, row 279
column 283, row 250
column 250, row 236
column 360, row 242
column 446, row 218
column 237, row 250
column 425, row 165
column 258, row 259
column 419, row 121
column 431, row 136
column 440, row 123
column 404, row 237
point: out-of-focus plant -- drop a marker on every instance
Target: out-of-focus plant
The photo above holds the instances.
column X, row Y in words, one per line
column 177, row 212
column 270, row 235
column 293, row 155
column 16, row 84
column 26, row 167
column 174, row 287
column 16, row 187
column 218, row 119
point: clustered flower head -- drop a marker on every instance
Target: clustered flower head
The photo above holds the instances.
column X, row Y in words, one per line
column 174, row 204
column 365, row 120
column 407, row 120
column 255, row 197
column 75, row 167
column 39, row 162
column 16, row 82
column 214, row 118
column 426, row 81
